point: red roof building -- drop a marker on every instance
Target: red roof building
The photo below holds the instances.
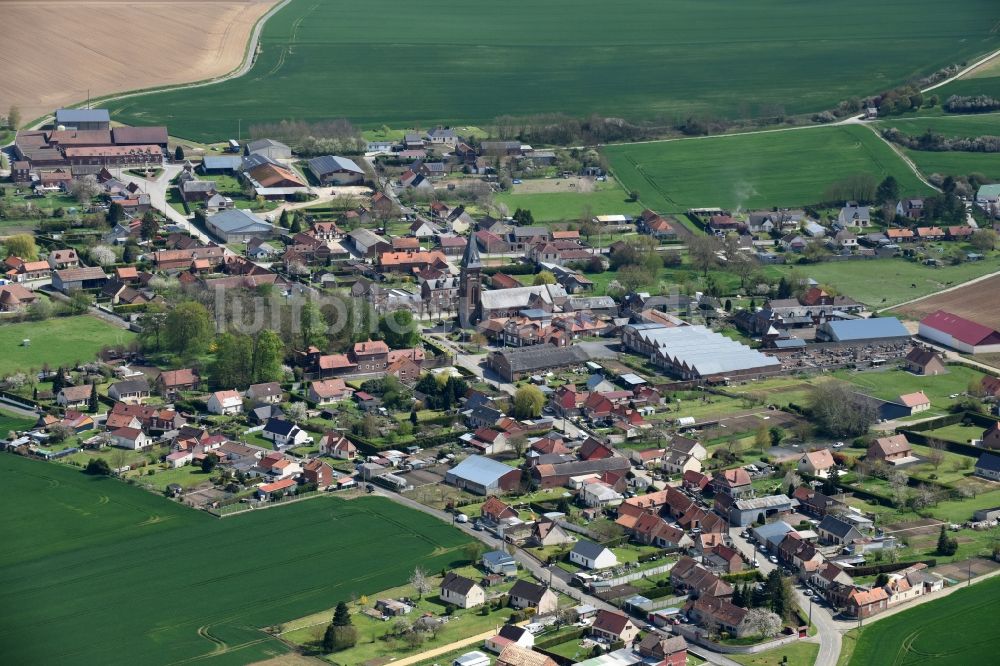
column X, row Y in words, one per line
column 959, row 333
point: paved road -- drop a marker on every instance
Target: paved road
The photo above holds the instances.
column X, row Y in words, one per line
column 157, row 191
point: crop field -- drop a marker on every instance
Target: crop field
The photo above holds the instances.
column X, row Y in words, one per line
column 984, row 124
column 103, row 573
column 9, row 421
column 890, row 384
column 953, row 631
column 887, row 282
column 954, row 163
column 972, row 302
column 57, row 341
column 648, row 59
column 785, row 168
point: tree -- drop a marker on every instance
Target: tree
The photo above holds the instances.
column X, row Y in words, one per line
column 149, row 225
column 102, row 255
column 544, row 277
column 59, row 432
column 296, row 225
column 85, row 189
column 14, row 117
column 414, row 419
column 777, row 434
column 420, row 582
column 779, row 595
column 946, row 546
column 839, row 411
column 398, row 329
column 762, row 437
column 79, row 301
column 115, row 213
column 295, row 411
column 984, row 240
column 153, row 323
column 528, row 402
column 473, row 551
column 935, row 456
column 208, row 464
column 518, row 443
column 762, row 622
column 23, row 246
column 97, row 467
column 312, row 326
column 92, row 403
column 632, row 277
column 188, row 328
column 888, row 191
column 40, row 310
column 284, row 221
column 341, row 615
column 178, row 154
column 268, row 353
column 703, row 251
column 337, row 638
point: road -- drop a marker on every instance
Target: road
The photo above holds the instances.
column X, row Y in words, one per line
column 157, row 191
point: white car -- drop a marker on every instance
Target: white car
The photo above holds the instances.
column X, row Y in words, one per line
column 838, row 445
column 773, row 559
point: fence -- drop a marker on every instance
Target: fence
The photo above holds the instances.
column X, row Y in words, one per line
column 240, row 507
column 637, row 575
column 18, row 401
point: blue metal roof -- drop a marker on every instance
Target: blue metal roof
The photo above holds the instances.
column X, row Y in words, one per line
column 82, row 116
column 222, row 162
column 868, row 329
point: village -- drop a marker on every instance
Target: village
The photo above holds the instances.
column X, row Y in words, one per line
column 652, row 474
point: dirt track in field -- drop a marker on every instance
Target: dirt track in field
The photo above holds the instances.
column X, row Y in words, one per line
column 53, row 51
column 979, row 302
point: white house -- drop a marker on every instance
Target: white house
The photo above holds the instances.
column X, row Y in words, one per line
column 461, row 591
column 130, row 438
column 597, row 494
column 817, row 463
column 225, row 402
column 592, row 555
column 130, row 391
column 284, row 433
column 337, row 446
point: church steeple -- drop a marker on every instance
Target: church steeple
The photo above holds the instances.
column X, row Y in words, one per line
column 469, row 285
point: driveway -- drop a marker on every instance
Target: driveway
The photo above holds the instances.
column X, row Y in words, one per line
column 157, row 191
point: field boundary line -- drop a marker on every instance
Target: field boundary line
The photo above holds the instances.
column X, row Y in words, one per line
column 943, row 291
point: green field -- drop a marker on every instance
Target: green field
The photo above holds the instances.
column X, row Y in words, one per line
column 957, row 630
column 787, row 168
column 570, row 206
column 884, row 283
column 57, row 341
column 102, row 573
column 954, row 163
column 9, row 421
column 645, row 59
column 890, row 384
column 797, row 654
column 986, row 124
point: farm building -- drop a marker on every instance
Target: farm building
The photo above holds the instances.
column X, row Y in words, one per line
column 221, row 164
column 758, row 509
column 515, row 364
column 333, row 170
column 863, row 331
column 959, row 333
column 270, row 148
column 696, row 352
column 237, row 225
column 483, row 476
column 83, row 119
column 71, row 279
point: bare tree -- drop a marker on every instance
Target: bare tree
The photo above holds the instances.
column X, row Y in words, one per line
column 703, row 251
column 518, row 442
column 420, row 582
column 85, row 189
column 936, row 454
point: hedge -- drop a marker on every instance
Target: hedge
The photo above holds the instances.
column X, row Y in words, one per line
column 510, row 269
column 888, row 567
column 658, row 592
column 561, row 638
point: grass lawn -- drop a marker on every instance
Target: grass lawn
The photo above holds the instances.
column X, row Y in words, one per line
column 884, row 283
column 981, row 124
column 538, row 58
column 798, row 654
column 49, row 339
column 78, row 547
column 953, row 631
column 957, row 433
column 9, row 421
column 780, row 391
column 791, row 168
column 890, row 384
column 560, row 206
column 308, row 631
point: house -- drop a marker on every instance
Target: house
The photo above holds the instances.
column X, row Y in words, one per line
column 726, row 616
column 959, row 333
column 599, row 494
column 862, row 603
column 500, row 563
column 921, row 361
column 275, row 465
column 170, row 382
column 890, row 449
column 853, row 215
column 71, row 279
column 284, row 433
column 548, row 533
column 510, row 634
column 74, row 396
column 613, row 626
column 269, row 393
column 333, row 170
column 328, row 391
column 238, row 226
column 335, row 445
column 817, row 463
column 280, row 488
column 833, row 530
column 988, row 466
column 515, row 655
column 318, row 472
column 732, row 482
column 130, row 438
column 461, row 591
column 592, row 555
column 371, row 356
column 130, row 391
column 689, row 575
column 482, row 476
column 991, row 437
column 917, row 402
column 494, row 510
column 664, row 650
column 526, row 594
column 225, row 402
column 678, row 462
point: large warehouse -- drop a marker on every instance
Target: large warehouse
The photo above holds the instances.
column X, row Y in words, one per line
column 959, row 333
column 863, row 331
column 520, row 362
column 483, row 476
column 696, row 352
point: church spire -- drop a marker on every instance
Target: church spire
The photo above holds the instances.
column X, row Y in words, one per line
column 471, row 257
